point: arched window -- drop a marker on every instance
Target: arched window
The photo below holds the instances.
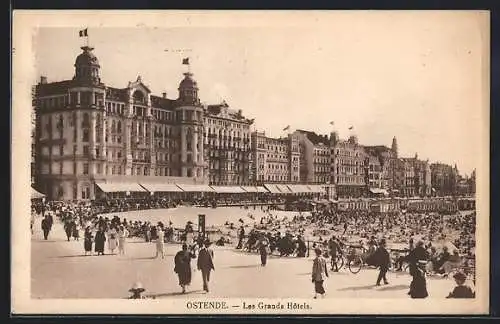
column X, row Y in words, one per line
column 113, row 126
column 119, row 127
column 139, row 97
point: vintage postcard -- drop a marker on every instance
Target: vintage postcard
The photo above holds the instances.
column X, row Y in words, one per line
column 250, row 162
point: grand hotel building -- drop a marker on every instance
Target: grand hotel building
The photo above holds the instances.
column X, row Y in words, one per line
column 89, row 133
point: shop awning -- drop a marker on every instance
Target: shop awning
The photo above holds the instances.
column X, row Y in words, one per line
column 36, row 194
column 195, row 188
column 262, row 189
column 299, row 189
column 253, row 189
column 120, row 187
column 228, row 189
column 161, row 187
column 284, row 189
column 272, row 188
column 316, row 188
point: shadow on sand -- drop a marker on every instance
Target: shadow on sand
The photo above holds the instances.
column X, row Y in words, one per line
column 393, row 288
column 356, row 288
column 245, row 266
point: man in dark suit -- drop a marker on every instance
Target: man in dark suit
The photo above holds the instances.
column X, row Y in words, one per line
column 206, row 263
column 383, row 259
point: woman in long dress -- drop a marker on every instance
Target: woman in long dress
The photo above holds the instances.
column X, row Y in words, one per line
column 87, row 242
column 122, row 239
column 160, row 242
column 182, row 262
column 112, row 239
column 100, row 238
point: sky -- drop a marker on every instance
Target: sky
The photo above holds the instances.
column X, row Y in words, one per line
column 416, row 76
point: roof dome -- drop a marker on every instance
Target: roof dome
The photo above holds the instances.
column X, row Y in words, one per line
column 87, row 57
column 188, row 82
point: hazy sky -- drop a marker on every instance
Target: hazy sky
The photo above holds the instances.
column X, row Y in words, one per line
column 416, row 76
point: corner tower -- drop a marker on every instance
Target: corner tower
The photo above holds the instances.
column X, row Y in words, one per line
column 189, row 112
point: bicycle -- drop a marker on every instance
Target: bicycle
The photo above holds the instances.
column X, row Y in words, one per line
column 353, row 261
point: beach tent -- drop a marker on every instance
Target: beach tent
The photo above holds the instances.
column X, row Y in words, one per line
column 36, row 195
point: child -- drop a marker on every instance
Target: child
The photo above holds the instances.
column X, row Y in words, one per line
column 136, row 291
column 461, row 290
column 319, row 273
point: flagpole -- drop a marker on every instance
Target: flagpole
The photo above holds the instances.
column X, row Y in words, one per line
column 88, row 38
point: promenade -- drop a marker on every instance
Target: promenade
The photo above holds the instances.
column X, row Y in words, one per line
column 59, row 269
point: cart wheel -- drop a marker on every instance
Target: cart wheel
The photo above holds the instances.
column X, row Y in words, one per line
column 355, row 264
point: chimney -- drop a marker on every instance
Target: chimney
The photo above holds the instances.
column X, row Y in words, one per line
column 164, row 95
column 43, row 80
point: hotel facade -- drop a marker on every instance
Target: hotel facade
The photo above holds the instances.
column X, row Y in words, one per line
column 88, row 135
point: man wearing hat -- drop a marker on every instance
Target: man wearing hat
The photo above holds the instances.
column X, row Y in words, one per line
column 461, row 290
column 206, row 263
column 381, row 256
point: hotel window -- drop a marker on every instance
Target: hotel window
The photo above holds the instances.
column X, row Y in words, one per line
column 85, row 150
column 85, row 135
column 85, row 168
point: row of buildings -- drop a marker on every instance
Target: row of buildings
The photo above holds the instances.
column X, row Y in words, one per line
column 87, row 132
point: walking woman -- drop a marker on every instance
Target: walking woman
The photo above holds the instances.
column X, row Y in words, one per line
column 112, row 239
column 87, row 241
column 76, row 230
column 160, row 242
column 100, row 238
column 122, row 239
column 182, row 262
column 319, row 273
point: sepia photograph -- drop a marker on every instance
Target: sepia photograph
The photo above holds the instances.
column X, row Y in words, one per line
column 250, row 162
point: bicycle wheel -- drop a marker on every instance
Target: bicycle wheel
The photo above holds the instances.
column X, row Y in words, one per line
column 355, row 264
column 339, row 261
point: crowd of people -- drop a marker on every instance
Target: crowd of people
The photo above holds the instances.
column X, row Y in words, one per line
column 388, row 241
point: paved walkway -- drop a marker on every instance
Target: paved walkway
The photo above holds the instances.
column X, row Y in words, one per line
column 60, row 270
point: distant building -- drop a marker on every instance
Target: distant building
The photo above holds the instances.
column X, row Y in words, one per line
column 228, row 146
column 443, row 179
column 349, row 166
column 275, row 160
column 315, row 158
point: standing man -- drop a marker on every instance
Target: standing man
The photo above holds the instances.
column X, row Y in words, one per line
column 263, row 245
column 334, row 250
column 206, row 263
column 383, row 260
column 46, row 227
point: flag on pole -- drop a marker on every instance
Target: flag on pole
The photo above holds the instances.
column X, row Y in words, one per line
column 83, row 33
column 350, row 128
column 185, row 61
column 286, row 128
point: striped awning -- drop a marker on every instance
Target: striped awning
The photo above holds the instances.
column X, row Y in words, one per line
column 250, row 189
column 272, row 188
column 284, row 189
column 161, row 187
column 299, row 189
column 262, row 189
column 228, row 189
column 120, row 187
column 195, row 188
